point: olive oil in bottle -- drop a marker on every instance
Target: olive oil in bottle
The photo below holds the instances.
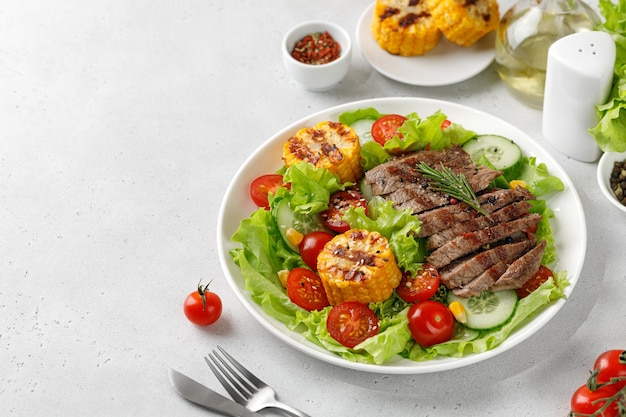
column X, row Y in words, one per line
column 526, row 32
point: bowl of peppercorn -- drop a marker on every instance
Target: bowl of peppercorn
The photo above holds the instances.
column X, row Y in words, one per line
column 612, row 178
column 317, row 54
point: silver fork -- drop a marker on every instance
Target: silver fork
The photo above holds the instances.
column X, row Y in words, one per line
column 243, row 386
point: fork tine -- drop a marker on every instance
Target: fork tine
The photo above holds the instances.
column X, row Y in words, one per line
column 232, row 374
column 253, row 378
column 229, row 384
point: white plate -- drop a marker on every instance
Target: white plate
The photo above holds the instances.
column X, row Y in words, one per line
column 568, row 225
column 446, row 64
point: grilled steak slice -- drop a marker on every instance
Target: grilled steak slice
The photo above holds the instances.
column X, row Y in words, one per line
column 464, row 270
column 521, row 270
column 472, row 241
column 436, row 220
column 386, row 177
column 483, row 282
column 400, row 181
column 505, row 214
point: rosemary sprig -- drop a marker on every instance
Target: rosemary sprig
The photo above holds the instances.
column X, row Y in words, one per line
column 448, row 182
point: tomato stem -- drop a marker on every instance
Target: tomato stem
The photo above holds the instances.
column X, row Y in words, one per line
column 202, row 290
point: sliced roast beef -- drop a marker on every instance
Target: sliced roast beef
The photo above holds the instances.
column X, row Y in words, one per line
column 436, row 220
column 473, row 252
column 521, row 270
column 472, row 241
column 483, row 282
column 400, row 181
column 505, row 214
column 464, row 270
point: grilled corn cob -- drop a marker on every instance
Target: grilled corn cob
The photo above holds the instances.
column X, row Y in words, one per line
column 358, row 265
column 331, row 145
column 404, row 27
column 464, row 22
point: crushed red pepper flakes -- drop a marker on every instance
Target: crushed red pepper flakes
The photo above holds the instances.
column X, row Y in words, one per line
column 316, row 49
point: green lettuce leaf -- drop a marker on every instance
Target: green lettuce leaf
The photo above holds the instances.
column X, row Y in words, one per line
column 537, row 178
column 400, row 228
column 351, row 117
column 311, row 187
column 417, row 134
column 610, row 132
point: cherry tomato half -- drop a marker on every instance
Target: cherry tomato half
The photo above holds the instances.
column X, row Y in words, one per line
column 351, row 322
column 532, row 284
column 386, row 127
column 587, row 402
column 420, row 287
column 611, row 364
column 338, row 204
column 305, row 289
column 202, row 307
column 262, row 186
column 311, row 246
column 430, row 322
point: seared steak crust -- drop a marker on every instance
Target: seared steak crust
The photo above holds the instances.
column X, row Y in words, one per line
column 436, row 220
column 483, row 282
column 507, row 213
column 521, row 270
column 464, row 270
column 472, row 241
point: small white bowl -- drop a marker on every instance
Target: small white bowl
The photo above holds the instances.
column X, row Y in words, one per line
column 605, row 167
column 321, row 77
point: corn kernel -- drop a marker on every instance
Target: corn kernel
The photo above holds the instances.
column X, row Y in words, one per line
column 518, row 183
column 458, row 311
column 283, row 274
column 294, row 237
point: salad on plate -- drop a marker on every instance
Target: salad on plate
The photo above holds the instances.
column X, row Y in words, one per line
column 335, row 254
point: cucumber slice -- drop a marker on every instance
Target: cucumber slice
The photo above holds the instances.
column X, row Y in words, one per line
column 287, row 218
column 504, row 154
column 363, row 129
column 487, row 310
column 366, row 189
column 463, row 334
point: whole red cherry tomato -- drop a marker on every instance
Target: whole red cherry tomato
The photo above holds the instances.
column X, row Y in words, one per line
column 610, row 367
column 311, row 246
column 430, row 322
column 203, row 307
column 587, row 402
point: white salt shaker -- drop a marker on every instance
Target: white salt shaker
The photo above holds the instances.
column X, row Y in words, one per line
column 579, row 76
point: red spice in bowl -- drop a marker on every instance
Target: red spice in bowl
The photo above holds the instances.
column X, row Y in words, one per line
column 316, row 49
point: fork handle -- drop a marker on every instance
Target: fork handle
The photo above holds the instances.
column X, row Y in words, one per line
column 294, row 412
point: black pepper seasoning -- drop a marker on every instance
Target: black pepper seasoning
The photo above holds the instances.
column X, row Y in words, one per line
column 618, row 181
